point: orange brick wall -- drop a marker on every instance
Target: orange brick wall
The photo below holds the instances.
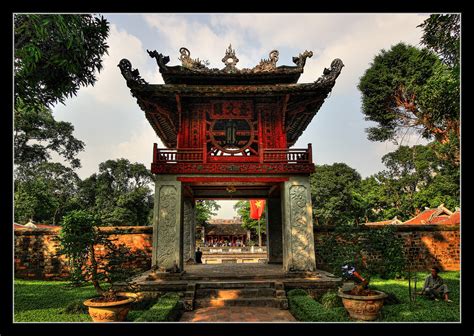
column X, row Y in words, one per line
column 424, row 245
column 36, row 250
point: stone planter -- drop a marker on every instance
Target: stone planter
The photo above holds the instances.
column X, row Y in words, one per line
column 363, row 307
column 115, row 311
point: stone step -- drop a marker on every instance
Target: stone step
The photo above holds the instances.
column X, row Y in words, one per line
column 235, row 285
column 214, row 293
column 241, row 302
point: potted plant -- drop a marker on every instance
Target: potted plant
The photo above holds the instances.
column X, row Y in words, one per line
column 78, row 238
column 360, row 302
column 369, row 250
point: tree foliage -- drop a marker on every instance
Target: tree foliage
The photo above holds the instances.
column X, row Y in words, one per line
column 371, row 251
column 243, row 209
column 408, row 89
column 391, row 90
column 56, row 54
column 205, row 209
column 441, row 34
column 119, row 193
column 79, row 238
column 37, row 134
column 332, row 192
column 45, row 193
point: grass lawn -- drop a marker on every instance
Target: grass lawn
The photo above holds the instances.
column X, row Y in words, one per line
column 45, row 301
column 397, row 309
column 423, row 310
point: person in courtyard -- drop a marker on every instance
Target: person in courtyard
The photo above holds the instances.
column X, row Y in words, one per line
column 434, row 286
column 198, row 256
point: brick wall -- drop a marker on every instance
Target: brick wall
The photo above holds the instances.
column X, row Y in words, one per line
column 36, row 250
column 425, row 245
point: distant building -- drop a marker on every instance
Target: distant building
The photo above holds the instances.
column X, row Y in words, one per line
column 225, row 232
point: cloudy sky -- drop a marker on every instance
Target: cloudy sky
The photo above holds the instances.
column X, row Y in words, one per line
column 107, row 118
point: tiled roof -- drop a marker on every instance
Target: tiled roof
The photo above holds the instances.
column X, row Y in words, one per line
column 439, row 215
column 225, row 229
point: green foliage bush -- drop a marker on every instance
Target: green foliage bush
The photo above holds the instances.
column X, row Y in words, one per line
column 297, row 292
column 304, row 308
column 168, row 308
column 372, row 251
column 331, row 300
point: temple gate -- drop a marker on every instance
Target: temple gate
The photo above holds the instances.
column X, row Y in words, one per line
column 228, row 134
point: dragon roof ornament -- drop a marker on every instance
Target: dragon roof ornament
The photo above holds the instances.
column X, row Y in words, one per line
column 230, row 60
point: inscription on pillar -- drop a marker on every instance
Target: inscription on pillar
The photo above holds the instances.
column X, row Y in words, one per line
column 168, row 228
column 300, row 235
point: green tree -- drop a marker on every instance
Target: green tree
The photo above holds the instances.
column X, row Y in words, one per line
column 45, row 193
column 119, row 193
column 332, row 190
column 37, row 134
column 414, row 178
column 205, row 209
column 410, row 89
column 441, row 34
column 56, row 54
column 255, row 226
column 392, row 91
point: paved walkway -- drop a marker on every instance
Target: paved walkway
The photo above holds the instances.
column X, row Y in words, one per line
column 238, row 314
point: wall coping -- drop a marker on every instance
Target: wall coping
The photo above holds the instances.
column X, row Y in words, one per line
column 109, row 230
column 399, row 227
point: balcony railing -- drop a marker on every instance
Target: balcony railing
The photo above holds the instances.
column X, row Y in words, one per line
column 269, row 155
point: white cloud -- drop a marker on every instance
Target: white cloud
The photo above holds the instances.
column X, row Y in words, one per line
column 110, row 88
column 139, row 148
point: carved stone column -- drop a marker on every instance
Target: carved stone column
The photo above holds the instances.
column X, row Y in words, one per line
column 167, row 228
column 189, row 228
column 274, row 231
column 298, row 237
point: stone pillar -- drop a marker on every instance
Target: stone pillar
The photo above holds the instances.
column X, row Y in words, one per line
column 167, row 228
column 274, row 231
column 189, row 230
column 297, row 218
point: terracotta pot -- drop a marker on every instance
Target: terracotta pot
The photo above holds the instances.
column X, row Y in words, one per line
column 115, row 311
column 363, row 307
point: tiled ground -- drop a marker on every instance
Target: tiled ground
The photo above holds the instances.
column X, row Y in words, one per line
column 238, row 314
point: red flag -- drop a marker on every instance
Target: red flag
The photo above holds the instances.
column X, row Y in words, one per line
column 256, row 208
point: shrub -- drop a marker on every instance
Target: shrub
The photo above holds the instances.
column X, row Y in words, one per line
column 304, row 308
column 331, row 300
column 371, row 251
column 297, row 292
column 168, row 308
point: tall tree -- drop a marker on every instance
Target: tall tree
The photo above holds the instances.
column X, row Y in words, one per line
column 45, row 193
column 119, row 193
column 56, row 54
column 332, row 192
column 394, row 95
column 415, row 178
column 410, row 89
column 37, row 134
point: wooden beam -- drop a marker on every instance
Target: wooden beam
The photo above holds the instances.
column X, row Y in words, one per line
column 198, row 179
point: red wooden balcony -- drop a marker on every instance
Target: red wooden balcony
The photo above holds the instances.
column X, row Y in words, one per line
column 271, row 160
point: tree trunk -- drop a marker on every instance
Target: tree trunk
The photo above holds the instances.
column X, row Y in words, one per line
column 94, row 265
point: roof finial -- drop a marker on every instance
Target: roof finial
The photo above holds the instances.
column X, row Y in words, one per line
column 230, row 60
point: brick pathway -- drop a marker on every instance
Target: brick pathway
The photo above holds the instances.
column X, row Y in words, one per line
column 238, row 314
